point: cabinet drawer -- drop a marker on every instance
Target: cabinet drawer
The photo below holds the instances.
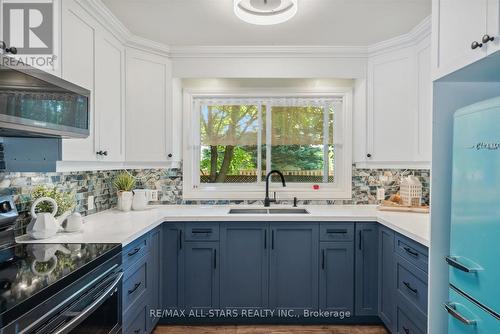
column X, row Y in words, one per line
column 134, row 284
column 412, row 284
column 412, row 251
column 135, row 250
column 138, row 324
column 202, row 232
column 336, row 231
column 407, row 326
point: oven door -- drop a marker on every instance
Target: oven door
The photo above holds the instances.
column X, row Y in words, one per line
column 96, row 311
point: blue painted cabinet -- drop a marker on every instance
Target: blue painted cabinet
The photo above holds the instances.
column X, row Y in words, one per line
column 293, row 279
column 366, row 279
column 172, row 265
column 199, row 278
column 155, row 277
column 336, row 278
column 386, row 279
column 244, row 265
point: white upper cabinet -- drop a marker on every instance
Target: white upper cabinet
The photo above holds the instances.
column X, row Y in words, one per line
column 78, row 66
column 110, row 98
column 399, row 108
column 391, row 106
column 464, row 32
column 94, row 59
column 148, row 110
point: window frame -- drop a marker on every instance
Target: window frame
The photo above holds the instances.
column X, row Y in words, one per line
column 194, row 190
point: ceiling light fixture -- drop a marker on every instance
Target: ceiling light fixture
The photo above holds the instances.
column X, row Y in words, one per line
column 265, row 12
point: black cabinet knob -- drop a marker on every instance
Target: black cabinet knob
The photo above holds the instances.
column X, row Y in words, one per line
column 476, row 45
column 170, row 155
column 368, row 155
column 105, row 153
column 98, row 152
column 487, row 38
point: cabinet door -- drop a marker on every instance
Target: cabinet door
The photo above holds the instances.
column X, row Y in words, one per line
column 109, row 97
column 456, row 24
column 78, row 66
column 199, row 281
column 387, row 278
column 294, row 266
column 244, row 265
column 423, row 119
column 392, row 102
column 155, row 277
column 366, row 268
column 336, row 278
column 493, row 25
column 173, row 247
column 148, row 87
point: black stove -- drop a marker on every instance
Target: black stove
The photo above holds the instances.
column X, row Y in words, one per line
column 58, row 288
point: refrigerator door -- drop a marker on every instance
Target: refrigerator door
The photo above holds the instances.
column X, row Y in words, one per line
column 475, row 218
column 465, row 317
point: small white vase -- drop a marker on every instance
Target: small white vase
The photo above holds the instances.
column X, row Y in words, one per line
column 125, row 200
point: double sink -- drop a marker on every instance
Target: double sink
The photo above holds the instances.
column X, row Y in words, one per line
column 264, row 211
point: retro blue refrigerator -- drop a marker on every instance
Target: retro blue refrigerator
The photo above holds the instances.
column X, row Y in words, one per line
column 474, row 260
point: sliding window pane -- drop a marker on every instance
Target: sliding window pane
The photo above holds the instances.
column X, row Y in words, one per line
column 229, row 143
column 302, row 143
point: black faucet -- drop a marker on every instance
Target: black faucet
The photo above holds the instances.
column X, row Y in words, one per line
column 267, row 200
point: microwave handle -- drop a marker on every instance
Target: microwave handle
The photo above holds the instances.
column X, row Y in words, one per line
column 91, row 307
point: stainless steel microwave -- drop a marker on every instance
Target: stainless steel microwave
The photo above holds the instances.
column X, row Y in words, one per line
column 34, row 103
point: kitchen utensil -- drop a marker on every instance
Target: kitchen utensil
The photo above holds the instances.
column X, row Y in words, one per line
column 141, row 199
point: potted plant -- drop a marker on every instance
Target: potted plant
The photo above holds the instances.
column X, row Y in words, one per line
column 124, row 183
column 65, row 200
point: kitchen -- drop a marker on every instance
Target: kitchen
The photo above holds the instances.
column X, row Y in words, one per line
column 249, row 166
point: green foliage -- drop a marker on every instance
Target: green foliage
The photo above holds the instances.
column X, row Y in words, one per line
column 65, row 200
column 297, row 157
column 243, row 158
column 124, row 182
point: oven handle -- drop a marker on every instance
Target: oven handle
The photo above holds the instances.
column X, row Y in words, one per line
column 92, row 306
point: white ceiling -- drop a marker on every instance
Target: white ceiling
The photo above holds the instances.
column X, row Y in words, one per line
column 318, row 22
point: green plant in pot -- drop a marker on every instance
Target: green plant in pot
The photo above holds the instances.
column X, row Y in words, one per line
column 124, row 183
column 65, row 200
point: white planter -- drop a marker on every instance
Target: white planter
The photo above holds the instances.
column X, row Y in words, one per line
column 125, row 200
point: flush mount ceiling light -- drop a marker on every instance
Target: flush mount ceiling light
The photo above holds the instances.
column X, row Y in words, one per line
column 265, row 12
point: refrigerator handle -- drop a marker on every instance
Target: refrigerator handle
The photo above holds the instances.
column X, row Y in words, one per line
column 452, row 261
column 452, row 310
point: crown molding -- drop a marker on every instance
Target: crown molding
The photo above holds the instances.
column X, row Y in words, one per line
column 100, row 12
column 271, row 51
column 413, row 37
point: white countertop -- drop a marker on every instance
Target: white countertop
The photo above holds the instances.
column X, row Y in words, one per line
column 113, row 226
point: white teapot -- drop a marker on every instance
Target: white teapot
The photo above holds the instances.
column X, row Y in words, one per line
column 44, row 225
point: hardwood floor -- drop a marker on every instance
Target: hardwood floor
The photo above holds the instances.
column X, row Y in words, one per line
column 264, row 329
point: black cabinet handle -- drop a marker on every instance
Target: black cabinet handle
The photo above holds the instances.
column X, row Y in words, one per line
column 409, row 287
column 407, row 331
column 323, row 259
column 180, row 239
column 265, row 239
column 201, row 231
column 272, row 239
column 336, row 231
column 368, row 155
column 215, row 258
column 410, row 251
column 137, row 331
column 476, row 45
column 360, row 243
column 135, row 251
column 170, row 155
column 136, row 286
column 487, row 38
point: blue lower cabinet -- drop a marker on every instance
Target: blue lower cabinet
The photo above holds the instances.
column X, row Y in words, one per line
column 173, row 242
column 199, row 278
column 406, row 323
column 155, row 277
column 293, row 282
column 387, row 279
column 336, row 278
column 244, row 254
column 366, row 278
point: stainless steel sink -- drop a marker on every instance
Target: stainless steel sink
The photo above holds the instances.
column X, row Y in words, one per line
column 277, row 211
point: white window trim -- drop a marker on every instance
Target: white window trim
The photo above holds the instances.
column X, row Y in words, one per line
column 193, row 190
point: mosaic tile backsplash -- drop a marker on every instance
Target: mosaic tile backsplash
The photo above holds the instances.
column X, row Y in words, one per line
column 169, row 184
